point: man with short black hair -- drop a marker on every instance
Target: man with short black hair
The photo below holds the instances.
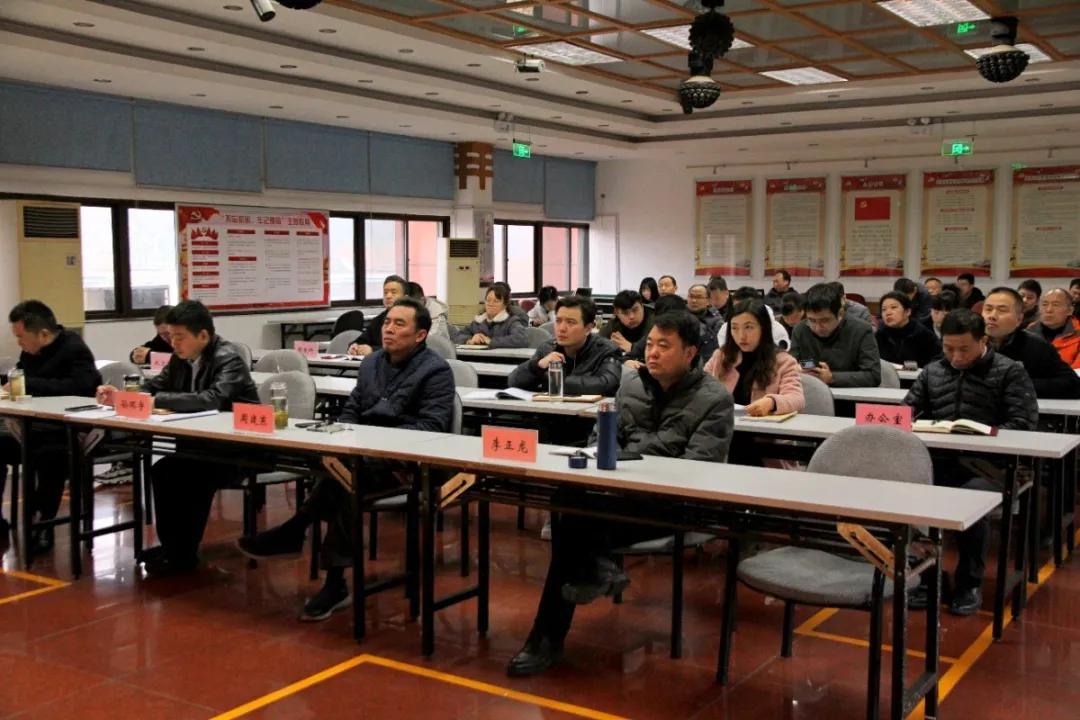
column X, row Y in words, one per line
column 720, row 297
column 697, row 302
column 402, row 385
column 631, row 323
column 590, row 363
column 841, row 348
column 157, row 344
column 394, row 287
column 940, row 305
column 792, row 312
column 667, row 285
column 55, row 361
column 205, row 373
column 1074, row 293
column 852, row 309
column 919, row 297
column 781, row 288
column 668, row 408
column 1058, row 327
column 1002, row 312
column 971, row 382
column 436, row 308
column 1030, row 291
column 933, row 286
column 969, row 296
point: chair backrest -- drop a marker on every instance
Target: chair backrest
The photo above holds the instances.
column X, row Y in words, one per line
column 464, row 373
column 277, row 361
column 856, row 297
column 536, row 336
column 245, row 352
column 549, row 328
column 351, row 320
column 113, row 373
column 527, row 304
column 442, row 346
column 819, row 398
column 879, row 452
column 456, row 420
column 301, row 393
column 341, row 342
column 889, row 377
column 6, row 364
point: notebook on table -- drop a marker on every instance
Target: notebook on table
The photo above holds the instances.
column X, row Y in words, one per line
column 954, row 427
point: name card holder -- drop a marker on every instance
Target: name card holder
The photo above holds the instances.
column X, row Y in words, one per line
column 501, row 443
column 251, row 418
column 898, row 416
column 133, row 405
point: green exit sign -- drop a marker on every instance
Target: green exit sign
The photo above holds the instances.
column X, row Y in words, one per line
column 951, row 148
column 522, row 150
column 965, row 28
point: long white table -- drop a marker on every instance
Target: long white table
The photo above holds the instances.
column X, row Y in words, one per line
column 349, row 365
column 895, row 396
column 480, row 352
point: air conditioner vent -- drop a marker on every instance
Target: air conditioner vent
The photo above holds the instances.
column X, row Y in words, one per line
column 40, row 221
column 464, row 248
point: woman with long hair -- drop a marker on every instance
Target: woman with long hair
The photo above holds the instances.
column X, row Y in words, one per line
column 650, row 293
column 496, row 327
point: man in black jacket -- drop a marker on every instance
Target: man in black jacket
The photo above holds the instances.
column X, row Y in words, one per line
column 590, row 363
column 668, row 408
column 781, row 288
column 403, row 385
column 55, row 362
column 969, row 296
column 841, row 348
column 919, row 297
column 157, row 344
column 631, row 323
column 393, row 288
column 972, row 382
column 205, row 373
column 1003, row 313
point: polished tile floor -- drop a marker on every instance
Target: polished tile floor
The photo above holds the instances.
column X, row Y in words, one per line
column 225, row 642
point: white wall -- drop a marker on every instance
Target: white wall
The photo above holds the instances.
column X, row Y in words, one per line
column 654, row 202
column 9, row 273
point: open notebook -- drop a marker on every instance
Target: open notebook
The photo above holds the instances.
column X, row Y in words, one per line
column 954, row 427
column 767, row 418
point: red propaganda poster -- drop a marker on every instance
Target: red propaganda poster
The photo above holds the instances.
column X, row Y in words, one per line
column 1046, row 222
column 958, row 212
column 723, row 227
column 795, row 226
column 872, row 225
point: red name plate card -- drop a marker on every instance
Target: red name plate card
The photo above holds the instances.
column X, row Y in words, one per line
column 248, row 417
column 134, row 405
column 158, row 361
column 898, row 416
column 310, row 350
column 502, row 443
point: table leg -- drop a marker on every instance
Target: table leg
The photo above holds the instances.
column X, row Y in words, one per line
column 359, row 587
column 137, row 503
column 1034, row 529
column 1057, row 512
column 427, row 561
column 483, row 573
column 27, row 493
column 933, row 624
column 899, row 644
column 75, row 502
column 1003, row 550
column 412, row 551
column 677, row 557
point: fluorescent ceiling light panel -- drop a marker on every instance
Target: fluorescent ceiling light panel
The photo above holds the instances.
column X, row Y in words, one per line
column 924, row 13
column 566, row 53
column 1033, row 52
column 803, row 76
column 679, row 36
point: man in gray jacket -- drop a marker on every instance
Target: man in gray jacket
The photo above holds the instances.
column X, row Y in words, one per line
column 668, row 408
column 591, row 364
column 839, row 350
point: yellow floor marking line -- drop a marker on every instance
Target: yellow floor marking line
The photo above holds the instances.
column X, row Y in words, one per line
column 49, row 583
column 858, row 642
column 420, row 672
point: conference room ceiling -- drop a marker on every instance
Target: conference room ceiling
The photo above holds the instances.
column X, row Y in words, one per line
column 445, row 69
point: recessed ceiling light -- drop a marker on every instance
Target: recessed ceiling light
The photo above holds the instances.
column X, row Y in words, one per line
column 541, row 146
column 195, row 48
column 924, row 13
column 453, row 134
column 811, row 144
column 503, row 139
column 924, row 88
column 342, row 117
column 1034, row 53
column 747, row 102
column 1046, row 105
column 532, row 79
column 803, row 76
column 743, row 149
column 198, row 94
column 582, row 92
column 365, row 82
column 1061, row 129
column 667, row 110
column 833, row 96
column 716, row 129
column 888, row 140
column 406, row 51
column 327, row 31
column 565, row 53
column 102, row 80
column 232, row 8
column 556, row 117
column 627, row 101
column 277, row 107
column 679, row 36
column 785, row 123
column 867, row 117
column 603, row 126
column 84, row 24
column 952, row 112
column 579, row 153
column 288, row 67
column 1032, row 79
column 473, row 65
column 431, row 94
column 646, row 133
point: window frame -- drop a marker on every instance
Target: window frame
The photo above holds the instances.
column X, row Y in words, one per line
column 538, row 251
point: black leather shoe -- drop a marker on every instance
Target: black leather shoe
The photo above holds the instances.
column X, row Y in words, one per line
column 163, row 566
column 280, row 541
column 917, row 598
column 966, row 602
column 538, row 655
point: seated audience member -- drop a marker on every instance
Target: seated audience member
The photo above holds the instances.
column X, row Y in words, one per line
column 933, row 286
column 631, row 323
column 205, row 373
column 968, row 295
column 971, row 382
column 667, row 285
column 157, row 344
column 758, row 375
column 852, row 309
column 781, row 288
column 438, row 310
column 512, row 306
column 667, row 303
column 1030, row 292
column 394, row 287
column 842, row 348
column 941, row 305
column 591, row 364
column 792, row 312
column 405, row 385
column 720, row 301
column 779, row 332
column 1058, row 327
column 55, row 361
column 697, row 302
column 900, row 338
column 1074, row 292
column 545, row 303
column 919, row 297
column 667, row 408
column 495, row 327
column 649, row 292
column 1002, row 312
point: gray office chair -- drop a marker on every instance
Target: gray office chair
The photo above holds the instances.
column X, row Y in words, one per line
column 442, row 346
column 279, row 361
column 819, row 398
column 537, row 336
column 464, row 374
column 340, row 343
column 804, row 576
column 245, row 352
column 348, row 320
column 549, row 328
column 889, row 377
column 113, row 373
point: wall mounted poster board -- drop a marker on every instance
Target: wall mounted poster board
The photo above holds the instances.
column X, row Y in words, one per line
column 236, row 258
column 723, row 228
column 958, row 211
column 872, row 225
column 795, row 226
column 1046, row 222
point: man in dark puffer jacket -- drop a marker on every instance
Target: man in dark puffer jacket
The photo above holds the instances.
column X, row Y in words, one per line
column 972, row 382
